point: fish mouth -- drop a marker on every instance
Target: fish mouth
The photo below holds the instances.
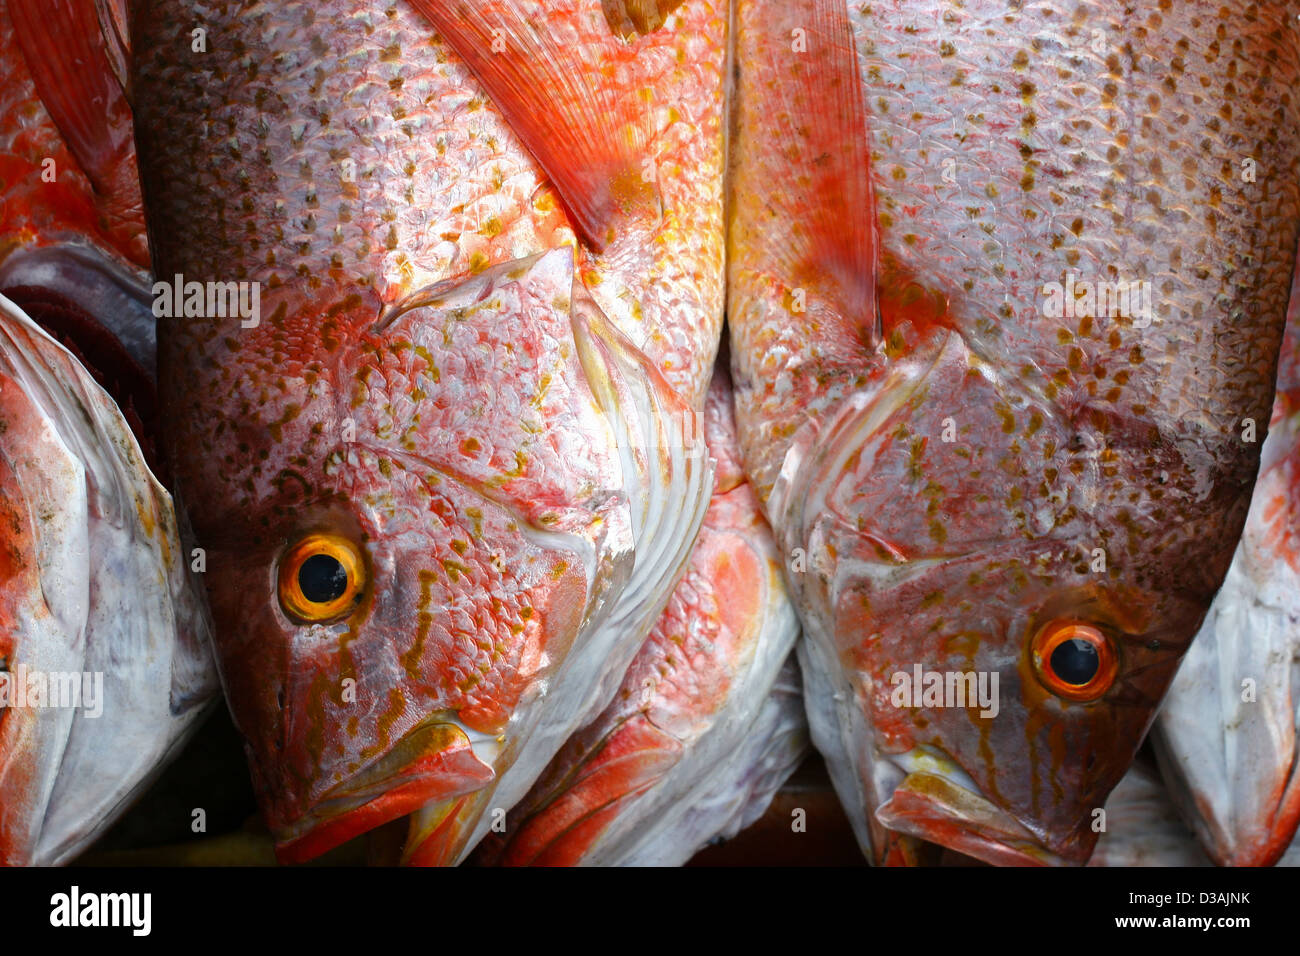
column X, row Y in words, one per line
column 434, row 761
column 933, row 808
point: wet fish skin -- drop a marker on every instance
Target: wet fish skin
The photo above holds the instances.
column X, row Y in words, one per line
column 708, row 722
column 508, row 450
column 88, row 531
column 1229, row 748
column 1144, row 827
column 1068, row 434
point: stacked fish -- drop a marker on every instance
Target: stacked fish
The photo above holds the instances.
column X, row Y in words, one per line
column 502, row 545
column 105, row 660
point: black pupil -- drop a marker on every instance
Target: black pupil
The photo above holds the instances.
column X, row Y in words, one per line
column 1075, row 661
column 322, row 579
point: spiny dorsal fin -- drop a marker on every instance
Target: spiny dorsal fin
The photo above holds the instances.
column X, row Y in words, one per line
column 586, row 133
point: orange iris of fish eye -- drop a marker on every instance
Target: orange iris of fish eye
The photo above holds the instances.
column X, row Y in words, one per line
column 321, row 578
column 1080, row 671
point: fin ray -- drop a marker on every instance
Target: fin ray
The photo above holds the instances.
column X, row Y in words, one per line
column 71, row 64
column 803, row 159
column 589, row 138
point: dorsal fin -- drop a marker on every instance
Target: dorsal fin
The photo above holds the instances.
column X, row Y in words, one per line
column 588, row 135
column 802, row 195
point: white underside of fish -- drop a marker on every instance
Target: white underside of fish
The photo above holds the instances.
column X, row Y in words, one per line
column 726, row 779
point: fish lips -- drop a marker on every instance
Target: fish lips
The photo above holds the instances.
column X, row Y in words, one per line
column 935, row 809
column 432, row 762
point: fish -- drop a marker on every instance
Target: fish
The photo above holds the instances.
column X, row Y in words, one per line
column 1145, row 828
column 708, row 722
column 1226, row 737
column 74, row 250
column 999, row 487
column 435, row 422
column 105, row 662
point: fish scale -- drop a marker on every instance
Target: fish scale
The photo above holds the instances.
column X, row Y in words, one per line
column 281, row 184
column 1082, row 143
column 1226, row 737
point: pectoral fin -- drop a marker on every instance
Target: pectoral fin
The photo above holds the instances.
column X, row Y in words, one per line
column 587, row 133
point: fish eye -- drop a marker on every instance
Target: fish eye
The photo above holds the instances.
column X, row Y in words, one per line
column 322, row 577
column 1074, row 661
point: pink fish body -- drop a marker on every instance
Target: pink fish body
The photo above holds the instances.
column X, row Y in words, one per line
column 442, row 400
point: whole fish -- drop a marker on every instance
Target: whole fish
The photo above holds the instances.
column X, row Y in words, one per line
column 105, row 664
column 443, row 497
column 707, row 723
column 1227, row 734
column 996, row 385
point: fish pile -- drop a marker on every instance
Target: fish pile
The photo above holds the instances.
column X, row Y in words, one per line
column 552, row 418
column 105, row 663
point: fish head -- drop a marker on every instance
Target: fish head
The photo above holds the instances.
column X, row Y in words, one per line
column 397, row 571
column 1011, row 583
column 422, row 415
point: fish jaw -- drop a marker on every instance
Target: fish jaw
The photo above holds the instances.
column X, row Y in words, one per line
column 80, row 500
column 433, row 762
column 932, row 808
